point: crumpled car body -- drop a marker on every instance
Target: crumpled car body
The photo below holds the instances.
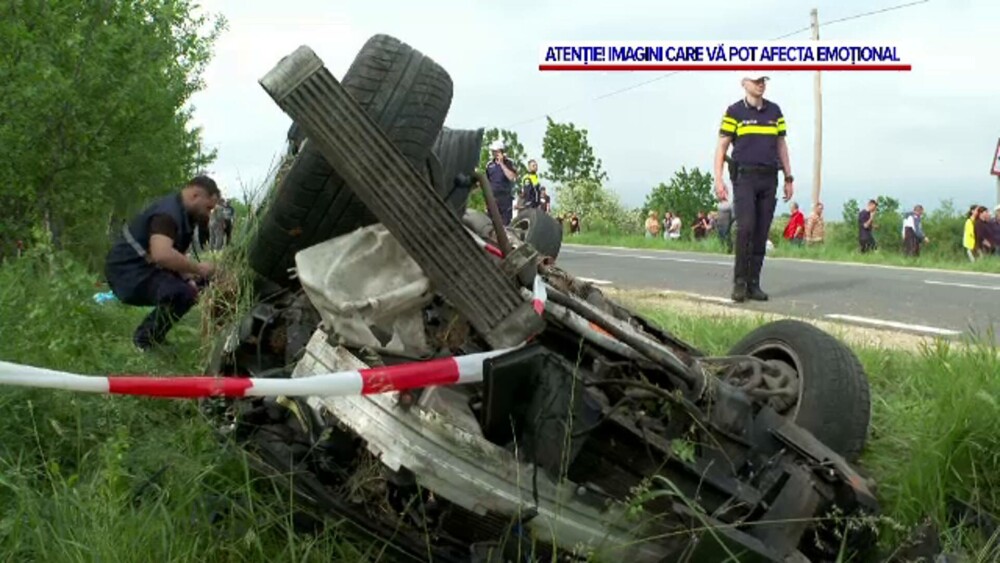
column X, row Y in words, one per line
column 574, row 443
column 596, row 435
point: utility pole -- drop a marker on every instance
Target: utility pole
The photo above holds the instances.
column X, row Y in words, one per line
column 818, row 133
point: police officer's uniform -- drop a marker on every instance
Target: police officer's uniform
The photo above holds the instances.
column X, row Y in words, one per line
column 137, row 281
column 754, row 133
column 502, row 188
column 531, row 195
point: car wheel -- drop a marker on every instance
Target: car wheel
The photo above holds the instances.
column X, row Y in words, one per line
column 408, row 95
column 540, row 230
column 296, row 136
column 831, row 395
column 458, row 151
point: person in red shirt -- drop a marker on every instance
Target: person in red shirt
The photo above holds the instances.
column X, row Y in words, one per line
column 796, row 229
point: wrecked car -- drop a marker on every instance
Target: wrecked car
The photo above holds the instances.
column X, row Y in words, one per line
column 588, row 433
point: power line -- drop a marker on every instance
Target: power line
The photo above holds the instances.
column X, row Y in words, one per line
column 872, row 13
column 669, row 74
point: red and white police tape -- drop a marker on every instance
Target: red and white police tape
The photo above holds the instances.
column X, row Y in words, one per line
column 539, row 296
column 440, row 371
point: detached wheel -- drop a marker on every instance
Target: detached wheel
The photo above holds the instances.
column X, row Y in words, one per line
column 831, row 394
column 540, row 230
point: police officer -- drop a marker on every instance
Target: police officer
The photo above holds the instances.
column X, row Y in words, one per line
column 755, row 127
column 501, row 173
column 531, row 195
column 148, row 266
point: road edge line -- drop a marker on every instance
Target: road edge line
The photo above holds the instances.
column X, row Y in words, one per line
column 785, row 259
column 906, row 327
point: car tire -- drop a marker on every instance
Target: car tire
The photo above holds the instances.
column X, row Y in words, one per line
column 296, row 136
column 540, row 230
column 834, row 400
column 458, row 151
column 408, row 95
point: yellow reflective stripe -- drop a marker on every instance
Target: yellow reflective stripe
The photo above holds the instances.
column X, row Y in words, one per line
column 728, row 128
column 758, row 130
column 728, row 119
column 781, row 120
column 781, row 127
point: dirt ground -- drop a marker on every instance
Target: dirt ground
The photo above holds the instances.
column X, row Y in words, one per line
column 690, row 305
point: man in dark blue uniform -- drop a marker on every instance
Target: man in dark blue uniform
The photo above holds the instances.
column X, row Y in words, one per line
column 755, row 127
column 501, row 173
column 148, row 266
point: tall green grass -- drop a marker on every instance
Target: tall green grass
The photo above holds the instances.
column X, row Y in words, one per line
column 95, row 478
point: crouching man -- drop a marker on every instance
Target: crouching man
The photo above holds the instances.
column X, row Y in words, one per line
column 148, row 264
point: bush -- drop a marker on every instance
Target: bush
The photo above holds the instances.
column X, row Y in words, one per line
column 597, row 207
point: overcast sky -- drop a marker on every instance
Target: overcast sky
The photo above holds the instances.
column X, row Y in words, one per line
column 920, row 136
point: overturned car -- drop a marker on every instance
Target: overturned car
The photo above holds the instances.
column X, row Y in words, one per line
column 505, row 410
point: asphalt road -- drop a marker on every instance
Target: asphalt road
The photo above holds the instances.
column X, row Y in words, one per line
column 930, row 302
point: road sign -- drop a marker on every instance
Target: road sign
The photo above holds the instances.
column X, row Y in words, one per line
column 995, row 170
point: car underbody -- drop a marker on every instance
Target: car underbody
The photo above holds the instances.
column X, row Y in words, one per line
column 590, row 434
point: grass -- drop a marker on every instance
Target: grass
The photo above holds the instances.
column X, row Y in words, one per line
column 89, row 477
column 95, row 478
column 944, row 258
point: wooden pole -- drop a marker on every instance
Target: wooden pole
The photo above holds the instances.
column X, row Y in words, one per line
column 818, row 133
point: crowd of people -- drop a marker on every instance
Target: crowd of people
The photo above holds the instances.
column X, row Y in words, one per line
column 719, row 222
column 981, row 235
column 220, row 225
column 516, row 192
column 705, row 224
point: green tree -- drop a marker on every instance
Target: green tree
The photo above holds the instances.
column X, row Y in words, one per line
column 887, row 205
column 851, row 210
column 888, row 223
column 93, row 112
column 568, row 155
column 598, row 207
column 945, row 226
column 687, row 193
column 846, row 234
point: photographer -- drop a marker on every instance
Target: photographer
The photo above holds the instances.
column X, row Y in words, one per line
column 501, row 173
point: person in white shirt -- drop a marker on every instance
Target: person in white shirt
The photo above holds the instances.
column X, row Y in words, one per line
column 674, row 231
column 913, row 232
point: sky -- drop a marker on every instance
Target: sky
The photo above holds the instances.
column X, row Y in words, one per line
column 919, row 136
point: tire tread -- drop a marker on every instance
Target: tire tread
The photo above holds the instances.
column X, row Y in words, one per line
column 835, row 407
column 408, row 95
